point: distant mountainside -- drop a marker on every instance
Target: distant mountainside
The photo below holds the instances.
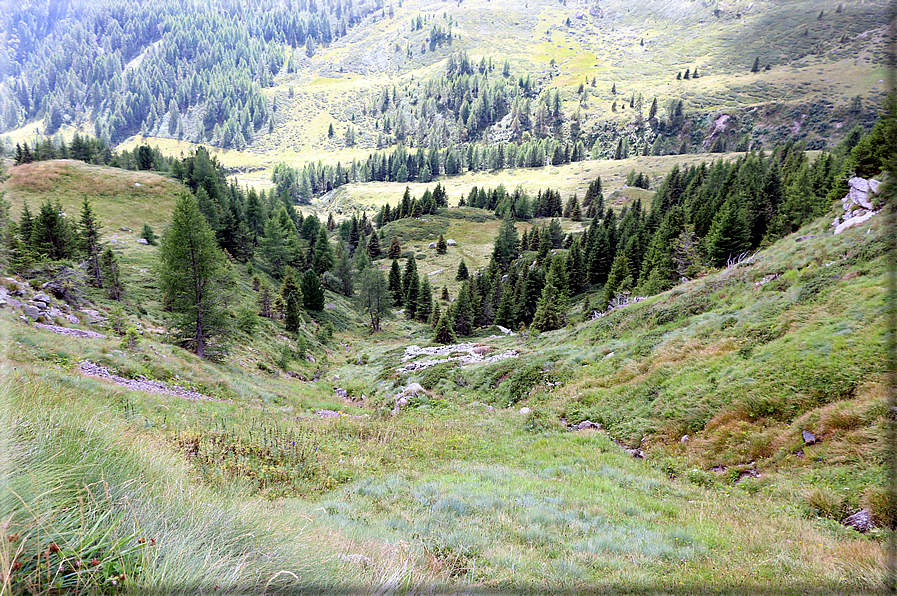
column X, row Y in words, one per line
column 281, row 79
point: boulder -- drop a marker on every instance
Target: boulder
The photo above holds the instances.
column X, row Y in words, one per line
column 525, row 410
column 142, row 241
column 340, row 392
column 32, row 312
column 861, row 521
column 413, row 389
column 587, row 425
column 43, row 297
column 431, row 245
column 451, row 242
column 809, row 438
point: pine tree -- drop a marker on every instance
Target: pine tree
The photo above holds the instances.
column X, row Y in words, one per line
column 505, row 248
column 462, row 272
column 445, row 294
column 756, row 66
column 312, row 291
column 441, row 246
column 292, row 300
column 194, row 277
column 619, row 279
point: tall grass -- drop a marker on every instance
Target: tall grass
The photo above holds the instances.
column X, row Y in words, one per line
column 86, row 507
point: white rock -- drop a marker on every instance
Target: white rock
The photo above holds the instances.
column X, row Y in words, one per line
column 451, row 242
column 525, row 410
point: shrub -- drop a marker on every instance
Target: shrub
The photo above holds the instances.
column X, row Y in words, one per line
column 823, row 502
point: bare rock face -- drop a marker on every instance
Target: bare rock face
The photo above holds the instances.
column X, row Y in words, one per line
column 858, row 204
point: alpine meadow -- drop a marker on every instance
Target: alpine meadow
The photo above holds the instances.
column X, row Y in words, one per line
column 472, row 297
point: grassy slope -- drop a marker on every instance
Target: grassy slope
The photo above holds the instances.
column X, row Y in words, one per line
column 447, row 491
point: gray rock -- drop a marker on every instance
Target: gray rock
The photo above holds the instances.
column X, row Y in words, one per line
column 684, row 439
column 586, row 425
column 451, row 242
column 142, row 241
column 431, row 245
column 413, row 389
column 340, row 392
column 72, row 319
column 43, row 297
column 55, row 312
column 802, row 238
column 31, row 312
column 40, row 304
column 809, row 438
column 525, row 410
column 861, row 521
column 3, row 303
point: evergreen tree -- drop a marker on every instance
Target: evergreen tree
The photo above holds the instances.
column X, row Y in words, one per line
column 505, row 248
column 619, row 280
column 90, row 242
column 395, row 249
column 194, row 277
column 424, row 301
column 342, row 270
column 576, row 212
column 462, row 273
column 756, row 66
column 51, row 235
column 374, row 249
column 551, row 312
column 441, row 246
column 729, row 234
column 445, row 294
column 323, row 259
column 292, row 300
column 443, row 332
column 463, row 312
column 111, row 274
column 395, row 284
column 312, row 291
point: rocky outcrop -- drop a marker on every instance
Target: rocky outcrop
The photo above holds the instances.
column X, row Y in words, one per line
column 861, row 521
column 859, row 204
column 463, row 354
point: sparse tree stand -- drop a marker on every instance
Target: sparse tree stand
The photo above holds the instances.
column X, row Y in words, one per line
column 193, row 276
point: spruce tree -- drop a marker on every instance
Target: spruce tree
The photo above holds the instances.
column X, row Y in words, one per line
column 194, row 277
column 395, row 284
column 729, row 234
column 323, row 260
column 292, row 300
column 445, row 294
column 462, row 272
column 463, row 313
column 443, row 333
column 441, row 246
column 551, row 312
column 424, row 301
column 90, row 242
column 312, row 291
column 373, row 296
column 374, row 249
column 619, row 279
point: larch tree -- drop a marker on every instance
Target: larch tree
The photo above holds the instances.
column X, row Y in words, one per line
column 194, row 277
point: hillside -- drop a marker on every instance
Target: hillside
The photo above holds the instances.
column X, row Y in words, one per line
column 313, row 464
column 820, row 72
